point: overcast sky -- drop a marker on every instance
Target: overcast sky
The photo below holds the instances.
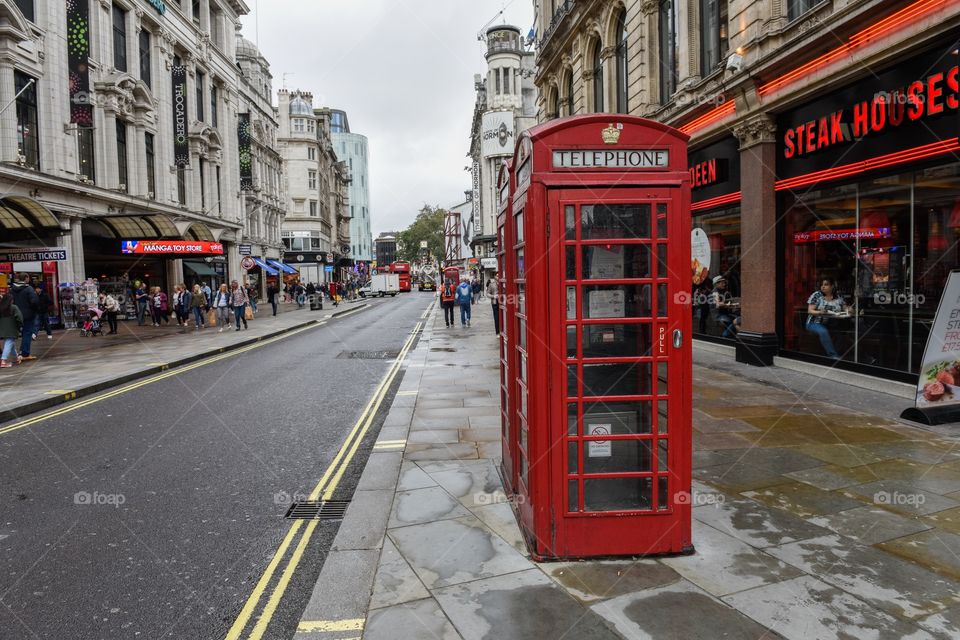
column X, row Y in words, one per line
column 403, row 71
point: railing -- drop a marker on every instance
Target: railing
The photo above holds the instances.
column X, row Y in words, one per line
column 558, row 15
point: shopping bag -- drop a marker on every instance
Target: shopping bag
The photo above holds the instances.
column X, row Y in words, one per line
column 212, row 318
column 248, row 313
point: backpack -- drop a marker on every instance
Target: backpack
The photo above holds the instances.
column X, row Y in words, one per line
column 464, row 293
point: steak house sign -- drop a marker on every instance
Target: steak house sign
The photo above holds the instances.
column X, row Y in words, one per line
column 896, row 109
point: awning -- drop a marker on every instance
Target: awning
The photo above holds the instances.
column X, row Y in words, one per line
column 19, row 212
column 200, row 268
column 150, row 226
column 267, row 268
column 283, row 267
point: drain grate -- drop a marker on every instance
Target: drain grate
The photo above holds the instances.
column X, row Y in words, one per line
column 368, row 355
column 317, row 510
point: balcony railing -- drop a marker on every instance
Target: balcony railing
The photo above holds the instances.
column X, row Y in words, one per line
column 558, row 15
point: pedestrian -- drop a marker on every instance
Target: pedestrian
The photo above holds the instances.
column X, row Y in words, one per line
column 198, row 302
column 333, row 292
column 311, row 289
column 464, row 299
column 300, row 294
column 222, row 305
column 272, row 293
column 252, row 297
column 494, row 302
column 11, row 324
column 238, row 298
column 475, row 289
column 25, row 297
column 208, row 292
column 43, row 317
column 142, row 299
column 447, row 296
column 159, row 306
column 110, row 307
column 181, row 304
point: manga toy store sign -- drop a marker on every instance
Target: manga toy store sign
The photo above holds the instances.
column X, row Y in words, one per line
column 171, row 247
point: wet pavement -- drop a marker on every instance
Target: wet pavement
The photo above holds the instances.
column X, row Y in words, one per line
column 813, row 518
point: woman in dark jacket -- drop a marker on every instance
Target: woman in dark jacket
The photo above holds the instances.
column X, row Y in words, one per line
column 11, row 322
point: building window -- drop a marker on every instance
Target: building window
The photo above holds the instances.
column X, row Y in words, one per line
column 796, row 8
column 597, row 78
column 182, row 186
column 200, row 80
column 151, row 165
column 310, row 126
column 311, row 153
column 119, row 38
column 713, row 35
column 298, row 125
column 219, row 197
column 122, row 156
column 196, row 12
column 26, row 8
column 496, row 78
column 86, row 165
column 311, row 179
column 570, row 92
column 145, row 58
column 621, row 56
column 668, row 49
column 203, row 188
column 28, row 140
column 213, row 104
column 313, row 208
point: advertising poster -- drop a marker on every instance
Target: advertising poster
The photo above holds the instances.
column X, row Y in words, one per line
column 699, row 255
column 181, row 144
column 246, row 160
column 939, row 381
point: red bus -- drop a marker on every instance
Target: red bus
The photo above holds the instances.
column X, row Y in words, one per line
column 403, row 270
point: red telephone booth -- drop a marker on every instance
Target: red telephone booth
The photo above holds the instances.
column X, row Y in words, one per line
column 508, row 355
column 596, row 272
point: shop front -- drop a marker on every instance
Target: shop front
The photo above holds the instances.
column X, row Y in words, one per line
column 308, row 264
column 715, row 239
column 42, row 264
column 869, row 199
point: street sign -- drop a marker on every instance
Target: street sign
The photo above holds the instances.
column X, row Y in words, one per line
column 328, row 268
column 245, row 249
column 248, row 263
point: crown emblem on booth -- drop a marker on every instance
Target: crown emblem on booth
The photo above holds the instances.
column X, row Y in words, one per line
column 611, row 135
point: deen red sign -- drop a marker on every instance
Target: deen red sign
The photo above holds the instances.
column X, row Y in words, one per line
column 171, row 247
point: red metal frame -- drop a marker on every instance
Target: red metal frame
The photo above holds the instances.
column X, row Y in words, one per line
column 537, row 449
column 506, row 289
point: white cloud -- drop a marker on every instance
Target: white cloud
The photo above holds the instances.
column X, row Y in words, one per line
column 403, row 71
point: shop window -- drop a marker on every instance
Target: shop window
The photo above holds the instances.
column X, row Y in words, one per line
column 119, row 38
column 716, row 256
column 713, row 34
column 668, row 49
column 796, row 8
column 28, row 134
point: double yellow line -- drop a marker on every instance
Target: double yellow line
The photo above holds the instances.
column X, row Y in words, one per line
column 323, row 491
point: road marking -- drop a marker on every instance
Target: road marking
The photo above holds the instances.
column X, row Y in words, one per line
column 155, row 378
column 356, row 624
column 332, row 475
column 408, row 393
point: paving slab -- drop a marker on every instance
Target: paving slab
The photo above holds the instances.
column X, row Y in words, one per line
column 381, row 471
column 424, row 505
column 802, row 499
column 434, row 436
column 591, row 582
column 395, row 582
column 900, row 588
column 870, row 525
column 901, row 497
column 473, row 485
column 924, row 475
column 413, row 477
column 843, row 455
column 343, row 589
column 723, row 564
column 945, row 624
column 948, row 520
column 500, row 519
column 808, row 609
column 519, row 606
column 737, row 478
column 830, row 477
column 365, row 520
column 461, row 451
column 935, row 549
column 756, row 524
column 453, row 551
column 419, row 620
column 678, row 611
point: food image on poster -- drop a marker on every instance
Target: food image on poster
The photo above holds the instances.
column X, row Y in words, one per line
column 699, row 255
column 939, row 380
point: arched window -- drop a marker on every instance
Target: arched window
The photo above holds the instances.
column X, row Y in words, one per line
column 622, row 62
column 570, row 92
column 554, row 103
column 597, row 79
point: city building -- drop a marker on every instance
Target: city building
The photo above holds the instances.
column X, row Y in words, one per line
column 823, row 147
column 386, row 249
column 316, row 190
column 352, row 149
column 121, row 126
column 261, row 167
column 505, row 106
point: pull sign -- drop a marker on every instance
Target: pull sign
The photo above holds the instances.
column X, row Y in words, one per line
column 661, row 340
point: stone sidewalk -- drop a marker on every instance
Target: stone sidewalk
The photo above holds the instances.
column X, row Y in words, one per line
column 811, row 520
column 61, row 376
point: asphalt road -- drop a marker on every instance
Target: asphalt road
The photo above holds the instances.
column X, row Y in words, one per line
column 152, row 514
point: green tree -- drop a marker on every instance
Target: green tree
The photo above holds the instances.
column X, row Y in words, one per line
column 427, row 226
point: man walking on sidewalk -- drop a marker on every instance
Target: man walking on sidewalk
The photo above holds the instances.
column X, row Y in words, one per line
column 494, row 302
column 465, row 300
column 272, row 293
column 447, row 295
column 26, row 300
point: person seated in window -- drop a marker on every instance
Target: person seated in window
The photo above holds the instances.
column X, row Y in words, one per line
column 726, row 307
column 823, row 305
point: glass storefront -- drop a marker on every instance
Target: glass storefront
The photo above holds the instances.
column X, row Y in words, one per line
column 888, row 244
column 716, row 255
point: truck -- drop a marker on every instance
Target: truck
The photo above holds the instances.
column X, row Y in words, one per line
column 382, row 284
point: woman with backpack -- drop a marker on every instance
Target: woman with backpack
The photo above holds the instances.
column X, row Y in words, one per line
column 447, row 296
column 11, row 323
